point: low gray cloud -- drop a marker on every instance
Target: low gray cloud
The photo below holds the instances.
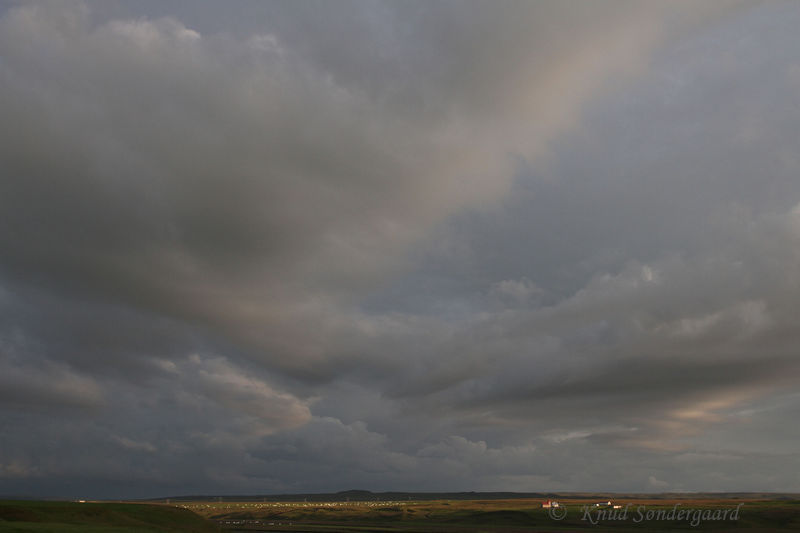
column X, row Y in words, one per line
column 435, row 246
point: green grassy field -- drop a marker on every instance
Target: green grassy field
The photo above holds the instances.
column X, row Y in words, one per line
column 69, row 517
column 509, row 516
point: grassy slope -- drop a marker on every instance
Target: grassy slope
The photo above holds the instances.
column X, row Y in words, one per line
column 33, row 516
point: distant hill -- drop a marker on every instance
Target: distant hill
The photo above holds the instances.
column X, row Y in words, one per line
column 365, row 495
column 359, row 495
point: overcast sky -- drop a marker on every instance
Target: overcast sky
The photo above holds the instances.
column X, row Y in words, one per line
column 262, row 247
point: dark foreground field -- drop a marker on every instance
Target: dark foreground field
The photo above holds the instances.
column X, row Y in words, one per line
column 40, row 517
column 509, row 516
column 432, row 516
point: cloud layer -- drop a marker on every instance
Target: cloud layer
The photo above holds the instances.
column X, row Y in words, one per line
column 415, row 246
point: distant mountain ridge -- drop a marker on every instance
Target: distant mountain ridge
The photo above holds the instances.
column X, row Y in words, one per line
column 366, row 495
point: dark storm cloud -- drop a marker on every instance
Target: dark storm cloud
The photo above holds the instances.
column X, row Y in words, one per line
column 249, row 183
column 316, row 245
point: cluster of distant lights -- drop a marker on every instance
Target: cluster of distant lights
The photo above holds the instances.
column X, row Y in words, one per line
column 220, row 505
